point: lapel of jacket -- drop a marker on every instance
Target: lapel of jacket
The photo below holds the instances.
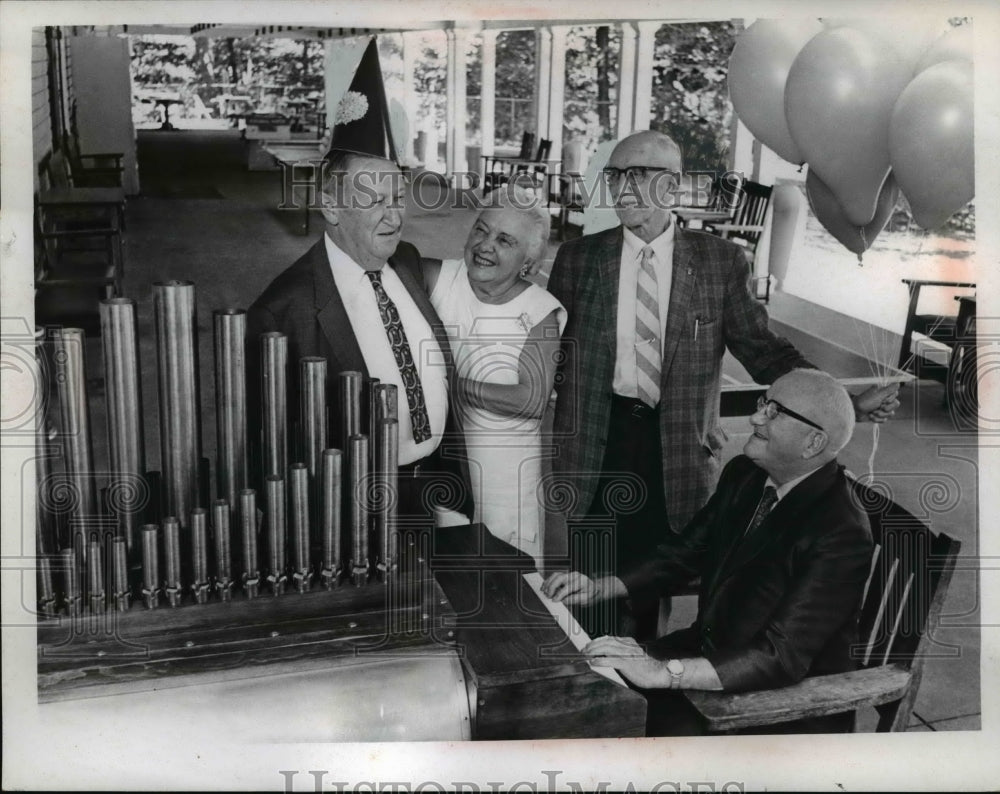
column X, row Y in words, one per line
column 742, row 503
column 345, row 352
column 781, row 520
column 608, row 257
column 682, row 284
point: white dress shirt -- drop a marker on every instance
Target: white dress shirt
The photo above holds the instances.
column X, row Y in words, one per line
column 356, row 291
column 626, row 374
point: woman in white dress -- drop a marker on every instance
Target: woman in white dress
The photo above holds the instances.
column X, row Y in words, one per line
column 504, row 333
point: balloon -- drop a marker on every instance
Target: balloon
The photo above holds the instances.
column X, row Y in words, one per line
column 758, row 67
column 828, row 212
column 956, row 44
column 840, row 93
column 931, row 142
column 910, row 38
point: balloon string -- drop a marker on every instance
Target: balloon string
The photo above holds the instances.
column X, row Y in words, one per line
column 871, row 458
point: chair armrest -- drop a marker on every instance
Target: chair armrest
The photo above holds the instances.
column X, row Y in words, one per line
column 68, row 234
column 116, row 156
column 735, row 227
column 918, row 282
column 811, row 697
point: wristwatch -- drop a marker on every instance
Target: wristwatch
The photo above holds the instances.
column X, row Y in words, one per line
column 676, row 669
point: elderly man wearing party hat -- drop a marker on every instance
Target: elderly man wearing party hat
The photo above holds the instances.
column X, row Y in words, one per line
column 356, row 298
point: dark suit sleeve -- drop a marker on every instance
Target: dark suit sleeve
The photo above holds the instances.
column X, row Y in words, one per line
column 679, row 559
column 765, row 355
column 825, row 590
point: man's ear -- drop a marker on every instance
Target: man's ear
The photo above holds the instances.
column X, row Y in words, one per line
column 817, row 442
column 329, row 209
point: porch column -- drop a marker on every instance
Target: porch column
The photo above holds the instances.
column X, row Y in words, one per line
column 543, row 77
column 487, row 99
column 455, row 109
column 644, row 75
column 626, row 80
column 410, row 52
column 557, row 90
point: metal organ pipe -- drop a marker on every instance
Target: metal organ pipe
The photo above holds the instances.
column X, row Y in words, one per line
column 299, row 514
column 330, row 521
column 74, row 412
column 127, row 449
column 221, row 512
column 274, row 488
column 313, row 411
column 230, row 330
column 180, row 429
column 199, row 554
column 274, row 394
column 357, row 494
column 248, row 539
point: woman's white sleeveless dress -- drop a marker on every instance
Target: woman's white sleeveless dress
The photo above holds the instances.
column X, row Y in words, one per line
column 505, row 453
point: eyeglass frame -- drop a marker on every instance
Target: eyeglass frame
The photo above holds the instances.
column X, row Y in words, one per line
column 612, row 175
column 764, row 404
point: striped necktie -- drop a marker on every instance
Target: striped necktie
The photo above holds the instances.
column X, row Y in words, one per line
column 404, row 359
column 648, row 355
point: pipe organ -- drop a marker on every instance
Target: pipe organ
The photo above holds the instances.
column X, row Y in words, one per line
column 155, row 578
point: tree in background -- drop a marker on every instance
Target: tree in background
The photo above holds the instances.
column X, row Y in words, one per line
column 591, row 81
column 162, row 61
column 690, row 100
column 275, row 69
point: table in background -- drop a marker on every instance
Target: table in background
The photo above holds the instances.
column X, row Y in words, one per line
column 301, row 157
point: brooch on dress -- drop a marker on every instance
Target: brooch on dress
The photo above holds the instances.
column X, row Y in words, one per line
column 524, row 321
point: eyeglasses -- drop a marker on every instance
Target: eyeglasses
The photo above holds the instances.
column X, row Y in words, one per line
column 772, row 408
column 635, row 173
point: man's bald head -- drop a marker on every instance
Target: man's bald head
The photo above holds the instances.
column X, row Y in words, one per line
column 643, row 174
column 813, row 420
column 828, row 401
column 647, row 147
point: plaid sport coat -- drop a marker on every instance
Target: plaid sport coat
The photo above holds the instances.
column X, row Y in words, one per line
column 711, row 286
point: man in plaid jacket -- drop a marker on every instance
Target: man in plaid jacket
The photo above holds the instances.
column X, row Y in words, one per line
column 636, row 421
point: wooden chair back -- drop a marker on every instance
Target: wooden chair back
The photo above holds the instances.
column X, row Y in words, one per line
column 527, row 144
column 911, row 570
column 750, row 212
column 727, row 192
column 57, row 169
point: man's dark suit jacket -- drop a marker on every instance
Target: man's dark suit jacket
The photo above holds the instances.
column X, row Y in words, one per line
column 303, row 303
column 709, row 287
column 780, row 604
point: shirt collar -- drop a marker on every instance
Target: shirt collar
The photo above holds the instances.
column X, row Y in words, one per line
column 341, row 261
column 782, row 490
column 662, row 246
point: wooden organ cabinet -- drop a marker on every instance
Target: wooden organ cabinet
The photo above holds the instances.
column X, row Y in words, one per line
column 305, row 612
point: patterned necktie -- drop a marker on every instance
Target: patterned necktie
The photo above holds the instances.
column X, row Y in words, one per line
column 767, row 501
column 648, row 357
column 404, row 358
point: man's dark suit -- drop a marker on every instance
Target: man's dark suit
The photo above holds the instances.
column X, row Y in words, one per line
column 779, row 604
column 708, row 291
column 303, row 303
